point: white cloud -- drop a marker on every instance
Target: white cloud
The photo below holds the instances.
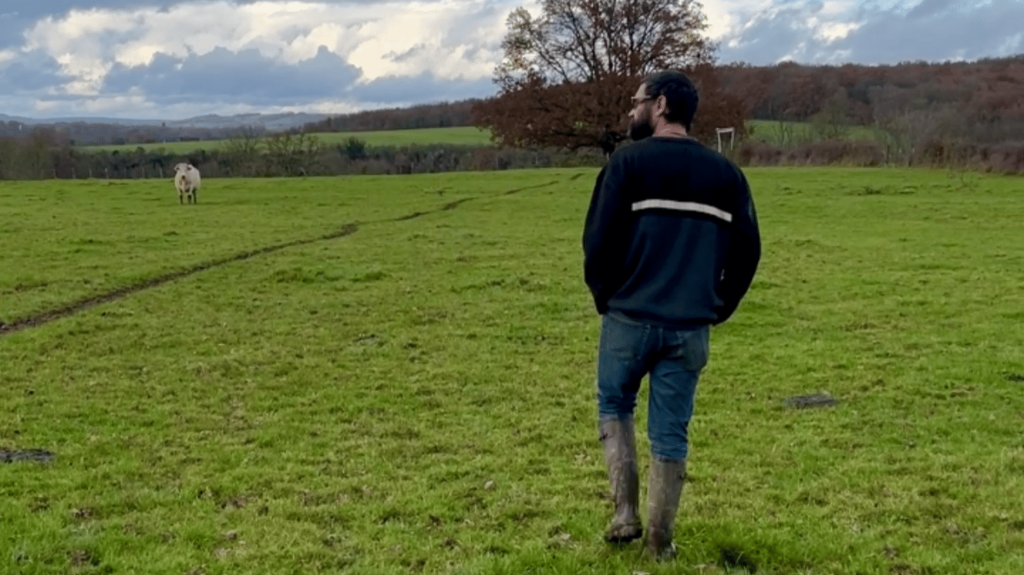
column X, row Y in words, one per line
column 830, row 31
column 452, row 39
column 7, row 56
column 420, row 30
column 124, row 58
column 142, row 107
column 726, row 15
column 872, row 31
column 1010, row 46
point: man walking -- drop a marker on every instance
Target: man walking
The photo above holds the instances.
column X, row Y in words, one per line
column 671, row 245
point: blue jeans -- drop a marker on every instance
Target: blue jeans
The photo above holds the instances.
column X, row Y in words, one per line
column 674, row 359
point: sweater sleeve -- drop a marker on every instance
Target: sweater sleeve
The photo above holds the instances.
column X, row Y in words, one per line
column 743, row 255
column 606, row 234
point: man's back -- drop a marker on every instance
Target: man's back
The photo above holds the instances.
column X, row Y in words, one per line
column 668, row 218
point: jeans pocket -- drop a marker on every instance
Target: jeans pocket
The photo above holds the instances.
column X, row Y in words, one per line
column 693, row 349
column 622, row 340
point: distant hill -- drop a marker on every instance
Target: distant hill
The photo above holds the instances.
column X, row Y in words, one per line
column 270, row 122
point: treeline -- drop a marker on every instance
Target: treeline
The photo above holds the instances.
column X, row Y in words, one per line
column 441, row 115
column 83, row 133
column 295, row 155
column 983, row 100
column 1000, row 158
column 281, row 155
column 951, row 114
column 978, row 102
column 956, row 114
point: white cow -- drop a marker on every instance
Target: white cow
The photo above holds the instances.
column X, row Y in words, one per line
column 186, row 180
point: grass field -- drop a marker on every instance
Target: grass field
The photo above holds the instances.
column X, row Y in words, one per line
column 788, row 133
column 415, row 394
column 468, row 136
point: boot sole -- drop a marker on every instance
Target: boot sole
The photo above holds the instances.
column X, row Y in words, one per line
column 625, row 537
column 666, row 553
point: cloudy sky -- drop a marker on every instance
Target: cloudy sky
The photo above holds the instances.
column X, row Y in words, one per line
column 173, row 59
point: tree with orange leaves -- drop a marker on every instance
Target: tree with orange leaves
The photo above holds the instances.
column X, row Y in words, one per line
column 570, row 72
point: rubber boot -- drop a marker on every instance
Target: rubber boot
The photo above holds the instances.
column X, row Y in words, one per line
column 619, row 441
column 664, row 489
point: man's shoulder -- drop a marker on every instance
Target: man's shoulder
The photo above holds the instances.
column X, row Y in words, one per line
column 688, row 149
column 664, row 145
column 631, row 152
column 708, row 155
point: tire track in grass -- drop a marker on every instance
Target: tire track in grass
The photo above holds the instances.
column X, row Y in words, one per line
column 456, row 203
column 83, row 304
column 44, row 317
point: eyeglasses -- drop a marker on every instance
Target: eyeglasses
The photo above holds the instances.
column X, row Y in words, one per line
column 637, row 101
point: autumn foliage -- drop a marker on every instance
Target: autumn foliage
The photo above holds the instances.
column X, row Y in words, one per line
column 568, row 74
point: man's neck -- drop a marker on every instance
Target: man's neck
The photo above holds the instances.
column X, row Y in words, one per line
column 670, row 130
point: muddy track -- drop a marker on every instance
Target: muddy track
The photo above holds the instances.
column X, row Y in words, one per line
column 454, row 204
column 517, row 190
column 42, row 318
column 93, row 301
column 33, row 455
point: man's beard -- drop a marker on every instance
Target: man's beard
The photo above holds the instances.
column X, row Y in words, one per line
column 641, row 128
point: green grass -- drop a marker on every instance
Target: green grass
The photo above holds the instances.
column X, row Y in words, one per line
column 788, row 133
column 468, row 136
column 418, row 396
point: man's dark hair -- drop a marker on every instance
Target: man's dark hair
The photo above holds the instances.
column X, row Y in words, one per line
column 680, row 95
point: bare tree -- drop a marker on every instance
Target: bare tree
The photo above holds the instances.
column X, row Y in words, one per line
column 294, row 154
column 570, row 72
column 591, row 40
column 244, row 151
column 832, row 122
column 904, row 122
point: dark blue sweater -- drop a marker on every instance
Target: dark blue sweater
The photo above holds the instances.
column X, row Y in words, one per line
column 671, row 236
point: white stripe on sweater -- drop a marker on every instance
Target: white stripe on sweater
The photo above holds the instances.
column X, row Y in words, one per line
column 683, row 207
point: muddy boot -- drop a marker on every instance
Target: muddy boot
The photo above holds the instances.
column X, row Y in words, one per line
column 666, row 484
column 619, row 441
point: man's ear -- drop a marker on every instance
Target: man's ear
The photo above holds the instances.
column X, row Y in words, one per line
column 660, row 106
